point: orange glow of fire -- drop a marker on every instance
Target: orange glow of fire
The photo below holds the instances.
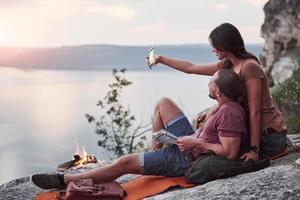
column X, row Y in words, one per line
column 83, row 155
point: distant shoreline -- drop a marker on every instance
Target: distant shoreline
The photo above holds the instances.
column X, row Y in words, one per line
column 104, row 57
column 118, row 45
column 158, row 69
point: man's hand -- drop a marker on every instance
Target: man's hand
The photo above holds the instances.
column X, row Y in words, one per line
column 251, row 155
column 200, row 118
column 155, row 145
column 187, row 143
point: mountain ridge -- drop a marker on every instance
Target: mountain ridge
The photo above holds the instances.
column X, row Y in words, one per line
column 102, row 56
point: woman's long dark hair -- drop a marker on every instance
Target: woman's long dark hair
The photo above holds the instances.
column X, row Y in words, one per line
column 227, row 37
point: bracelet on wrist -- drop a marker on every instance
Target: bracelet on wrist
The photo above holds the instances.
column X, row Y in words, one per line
column 254, row 149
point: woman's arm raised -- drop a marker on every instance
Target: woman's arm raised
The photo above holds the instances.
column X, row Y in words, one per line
column 187, row 67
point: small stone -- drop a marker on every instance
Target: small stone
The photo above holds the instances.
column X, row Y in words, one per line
column 297, row 161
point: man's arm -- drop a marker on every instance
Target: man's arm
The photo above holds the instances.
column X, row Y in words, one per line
column 228, row 148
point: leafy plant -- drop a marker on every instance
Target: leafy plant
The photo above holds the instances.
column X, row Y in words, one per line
column 287, row 97
column 116, row 128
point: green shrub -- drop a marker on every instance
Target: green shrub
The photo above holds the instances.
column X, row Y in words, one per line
column 115, row 126
column 287, row 98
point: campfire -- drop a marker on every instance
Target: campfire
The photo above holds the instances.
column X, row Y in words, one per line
column 80, row 159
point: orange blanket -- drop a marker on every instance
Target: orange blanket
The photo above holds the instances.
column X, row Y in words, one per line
column 47, row 196
column 279, row 155
column 146, row 186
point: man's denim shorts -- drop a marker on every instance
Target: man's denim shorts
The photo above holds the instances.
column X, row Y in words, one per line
column 168, row 161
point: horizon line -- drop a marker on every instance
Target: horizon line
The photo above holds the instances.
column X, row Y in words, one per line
column 121, row 45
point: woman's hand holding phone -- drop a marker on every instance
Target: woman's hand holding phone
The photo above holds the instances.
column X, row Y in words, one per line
column 152, row 59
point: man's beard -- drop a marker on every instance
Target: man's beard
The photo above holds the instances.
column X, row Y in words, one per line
column 211, row 96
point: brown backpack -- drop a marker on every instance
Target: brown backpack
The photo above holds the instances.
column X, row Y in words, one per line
column 85, row 189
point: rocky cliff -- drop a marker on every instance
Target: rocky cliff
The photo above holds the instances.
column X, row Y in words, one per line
column 281, row 57
column 281, row 31
column 280, row 181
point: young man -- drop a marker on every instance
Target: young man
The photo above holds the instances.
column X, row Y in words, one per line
column 221, row 135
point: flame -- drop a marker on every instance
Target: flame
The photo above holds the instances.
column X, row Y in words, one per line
column 84, row 156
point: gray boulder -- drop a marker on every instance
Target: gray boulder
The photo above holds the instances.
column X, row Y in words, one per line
column 285, row 66
column 281, row 31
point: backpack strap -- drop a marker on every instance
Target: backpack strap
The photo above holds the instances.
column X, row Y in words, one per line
column 247, row 167
column 211, row 167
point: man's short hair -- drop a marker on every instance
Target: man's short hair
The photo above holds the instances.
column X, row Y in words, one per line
column 229, row 83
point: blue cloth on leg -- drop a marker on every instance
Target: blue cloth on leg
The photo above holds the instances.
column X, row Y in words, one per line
column 169, row 161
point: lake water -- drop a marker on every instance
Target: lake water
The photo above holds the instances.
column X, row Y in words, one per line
column 42, row 111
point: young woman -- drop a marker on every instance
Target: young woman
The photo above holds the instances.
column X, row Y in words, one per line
column 266, row 127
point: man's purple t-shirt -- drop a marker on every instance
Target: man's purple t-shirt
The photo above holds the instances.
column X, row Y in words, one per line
column 228, row 120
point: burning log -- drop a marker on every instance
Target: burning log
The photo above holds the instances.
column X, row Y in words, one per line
column 79, row 159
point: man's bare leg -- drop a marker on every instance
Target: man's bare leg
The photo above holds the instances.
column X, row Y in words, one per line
column 128, row 164
column 164, row 111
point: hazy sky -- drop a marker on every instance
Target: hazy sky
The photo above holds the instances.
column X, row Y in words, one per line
column 128, row 22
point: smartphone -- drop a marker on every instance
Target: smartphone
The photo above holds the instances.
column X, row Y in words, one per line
column 151, row 55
